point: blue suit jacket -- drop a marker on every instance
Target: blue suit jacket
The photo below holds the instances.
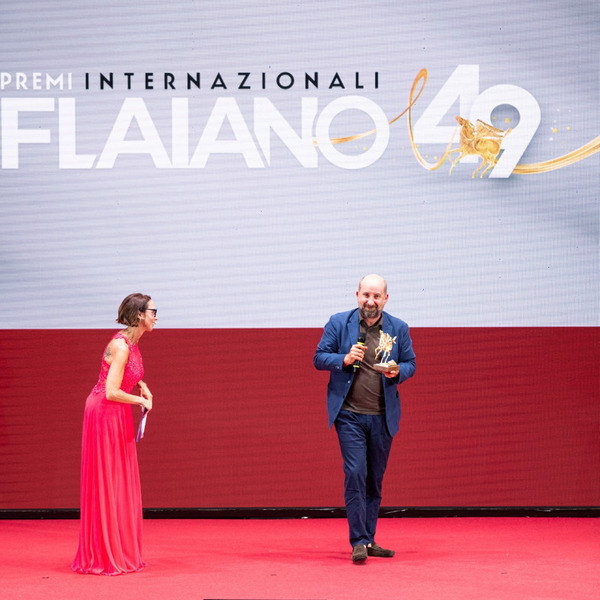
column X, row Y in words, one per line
column 339, row 334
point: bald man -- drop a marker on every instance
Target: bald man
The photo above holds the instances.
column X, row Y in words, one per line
column 364, row 404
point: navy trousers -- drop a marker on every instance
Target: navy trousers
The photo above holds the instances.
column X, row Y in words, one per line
column 365, row 444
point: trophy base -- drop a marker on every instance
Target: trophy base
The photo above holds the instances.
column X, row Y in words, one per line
column 385, row 367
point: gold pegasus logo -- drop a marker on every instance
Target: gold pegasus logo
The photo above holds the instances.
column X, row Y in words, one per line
column 482, row 140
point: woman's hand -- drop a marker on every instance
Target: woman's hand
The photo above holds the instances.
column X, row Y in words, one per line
column 145, row 395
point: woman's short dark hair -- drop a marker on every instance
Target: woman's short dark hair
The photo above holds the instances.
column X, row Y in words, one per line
column 130, row 309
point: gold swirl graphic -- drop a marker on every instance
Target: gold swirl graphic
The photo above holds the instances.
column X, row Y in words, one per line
column 422, row 74
column 351, row 138
column 484, row 141
column 562, row 161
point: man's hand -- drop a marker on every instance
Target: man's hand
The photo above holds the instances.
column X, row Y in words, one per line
column 357, row 352
column 392, row 374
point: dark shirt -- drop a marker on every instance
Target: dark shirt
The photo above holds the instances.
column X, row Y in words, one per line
column 366, row 394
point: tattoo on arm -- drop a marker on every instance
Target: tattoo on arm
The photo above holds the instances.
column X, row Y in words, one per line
column 107, row 353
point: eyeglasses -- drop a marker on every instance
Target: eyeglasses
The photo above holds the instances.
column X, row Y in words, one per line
column 152, row 310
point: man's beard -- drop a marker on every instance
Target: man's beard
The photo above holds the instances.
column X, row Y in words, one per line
column 370, row 313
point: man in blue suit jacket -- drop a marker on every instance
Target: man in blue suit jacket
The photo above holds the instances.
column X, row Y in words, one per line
column 364, row 404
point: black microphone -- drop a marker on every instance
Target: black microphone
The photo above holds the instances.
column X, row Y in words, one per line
column 362, row 338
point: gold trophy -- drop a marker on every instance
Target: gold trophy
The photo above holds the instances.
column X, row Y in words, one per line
column 386, row 343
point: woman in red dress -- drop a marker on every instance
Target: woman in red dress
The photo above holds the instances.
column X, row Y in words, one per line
column 110, row 537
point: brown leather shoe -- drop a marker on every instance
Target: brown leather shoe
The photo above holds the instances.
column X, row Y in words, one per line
column 376, row 550
column 359, row 553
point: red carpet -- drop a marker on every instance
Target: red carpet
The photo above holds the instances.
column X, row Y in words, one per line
column 309, row 559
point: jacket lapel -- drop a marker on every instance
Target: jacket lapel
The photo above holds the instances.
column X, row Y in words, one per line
column 353, row 327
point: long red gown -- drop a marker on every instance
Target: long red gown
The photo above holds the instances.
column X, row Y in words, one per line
column 110, row 537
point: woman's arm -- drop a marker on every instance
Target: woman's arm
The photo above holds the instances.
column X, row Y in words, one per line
column 145, row 390
column 117, row 355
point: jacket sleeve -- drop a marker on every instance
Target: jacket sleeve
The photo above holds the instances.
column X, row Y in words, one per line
column 329, row 355
column 406, row 356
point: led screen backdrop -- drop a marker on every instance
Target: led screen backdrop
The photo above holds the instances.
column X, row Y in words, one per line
column 245, row 164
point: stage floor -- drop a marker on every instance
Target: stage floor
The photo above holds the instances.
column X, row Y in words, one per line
column 483, row 558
